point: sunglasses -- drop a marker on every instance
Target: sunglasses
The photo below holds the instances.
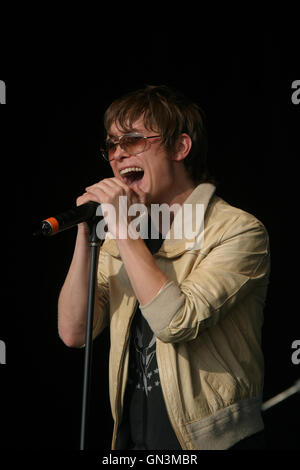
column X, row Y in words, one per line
column 132, row 143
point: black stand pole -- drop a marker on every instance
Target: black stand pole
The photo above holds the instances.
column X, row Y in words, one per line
column 282, row 396
column 94, row 244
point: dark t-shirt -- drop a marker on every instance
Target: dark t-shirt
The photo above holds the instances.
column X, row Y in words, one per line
column 145, row 423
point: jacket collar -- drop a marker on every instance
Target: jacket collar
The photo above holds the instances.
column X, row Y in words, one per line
column 172, row 246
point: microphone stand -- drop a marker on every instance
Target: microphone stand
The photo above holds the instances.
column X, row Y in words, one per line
column 94, row 244
column 282, row 396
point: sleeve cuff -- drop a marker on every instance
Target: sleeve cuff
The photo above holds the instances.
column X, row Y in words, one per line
column 163, row 307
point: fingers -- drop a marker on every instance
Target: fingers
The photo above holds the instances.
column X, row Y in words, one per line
column 93, row 193
column 142, row 196
column 108, row 190
column 112, row 181
column 84, row 198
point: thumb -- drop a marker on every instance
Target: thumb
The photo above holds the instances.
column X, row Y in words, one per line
column 142, row 196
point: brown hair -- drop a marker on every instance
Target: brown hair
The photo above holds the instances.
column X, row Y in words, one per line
column 170, row 113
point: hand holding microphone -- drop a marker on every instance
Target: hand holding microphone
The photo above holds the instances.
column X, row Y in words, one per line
column 106, row 191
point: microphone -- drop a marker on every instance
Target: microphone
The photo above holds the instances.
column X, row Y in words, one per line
column 67, row 219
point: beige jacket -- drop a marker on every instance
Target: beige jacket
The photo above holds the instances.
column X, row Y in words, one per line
column 207, row 320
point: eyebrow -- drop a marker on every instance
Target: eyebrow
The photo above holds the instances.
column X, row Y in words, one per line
column 134, row 129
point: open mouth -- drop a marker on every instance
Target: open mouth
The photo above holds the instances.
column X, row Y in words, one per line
column 132, row 175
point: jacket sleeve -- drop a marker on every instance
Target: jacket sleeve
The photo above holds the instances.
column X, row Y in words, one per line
column 231, row 270
column 101, row 295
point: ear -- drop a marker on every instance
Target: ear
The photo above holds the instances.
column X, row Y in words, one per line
column 183, row 146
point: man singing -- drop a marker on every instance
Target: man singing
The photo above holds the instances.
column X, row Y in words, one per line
column 186, row 368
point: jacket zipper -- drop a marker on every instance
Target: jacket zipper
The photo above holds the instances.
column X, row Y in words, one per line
column 178, row 435
column 118, row 377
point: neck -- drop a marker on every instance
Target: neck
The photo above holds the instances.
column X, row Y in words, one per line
column 180, row 189
column 177, row 195
column 180, row 196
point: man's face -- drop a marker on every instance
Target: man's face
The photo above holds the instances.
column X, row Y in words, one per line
column 157, row 178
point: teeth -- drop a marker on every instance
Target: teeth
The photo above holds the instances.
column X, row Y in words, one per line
column 128, row 170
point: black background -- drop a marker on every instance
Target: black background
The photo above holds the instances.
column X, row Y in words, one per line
column 51, row 131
